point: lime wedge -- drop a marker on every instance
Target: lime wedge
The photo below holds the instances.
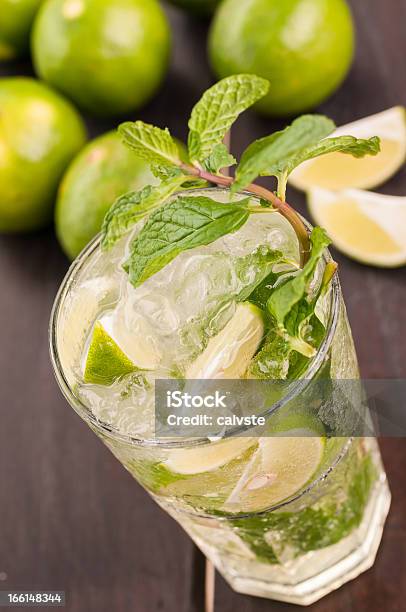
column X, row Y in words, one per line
column 368, row 227
column 339, row 171
column 105, row 360
column 207, row 458
column 114, row 351
column 280, row 467
column 228, row 354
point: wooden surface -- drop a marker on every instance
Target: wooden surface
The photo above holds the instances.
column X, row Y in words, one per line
column 71, row 518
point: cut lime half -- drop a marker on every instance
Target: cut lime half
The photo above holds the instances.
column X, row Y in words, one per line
column 340, row 171
column 368, row 227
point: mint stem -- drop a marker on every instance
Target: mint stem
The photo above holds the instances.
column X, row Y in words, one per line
column 282, row 207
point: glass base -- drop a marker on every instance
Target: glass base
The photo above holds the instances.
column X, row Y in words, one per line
column 316, row 574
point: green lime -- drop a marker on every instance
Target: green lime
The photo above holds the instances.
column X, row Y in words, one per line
column 303, row 47
column 40, row 133
column 104, row 170
column 105, row 360
column 108, row 56
column 16, row 18
column 197, row 7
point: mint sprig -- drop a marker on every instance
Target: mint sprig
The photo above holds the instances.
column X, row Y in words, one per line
column 277, row 155
column 295, row 330
column 218, row 109
column 291, row 304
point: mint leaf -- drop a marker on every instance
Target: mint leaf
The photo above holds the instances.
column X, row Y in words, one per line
column 295, row 330
column 129, row 208
column 185, row 223
column 289, row 293
column 217, row 110
column 165, row 172
column 302, row 323
column 218, row 159
column 150, row 143
column 271, row 155
column 196, row 183
column 278, row 154
column 272, row 361
column 304, row 309
column 291, row 305
column 357, row 147
column 256, row 267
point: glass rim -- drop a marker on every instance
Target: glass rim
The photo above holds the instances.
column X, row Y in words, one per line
column 85, row 412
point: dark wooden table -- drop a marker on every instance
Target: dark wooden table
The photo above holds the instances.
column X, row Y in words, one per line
column 70, row 517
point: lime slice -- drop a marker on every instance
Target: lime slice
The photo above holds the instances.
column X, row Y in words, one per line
column 114, row 352
column 279, row 468
column 105, row 360
column 339, row 171
column 207, row 458
column 368, row 227
column 291, row 418
column 228, row 354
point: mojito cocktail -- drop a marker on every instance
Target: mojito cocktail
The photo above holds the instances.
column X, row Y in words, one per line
column 229, row 284
column 285, row 516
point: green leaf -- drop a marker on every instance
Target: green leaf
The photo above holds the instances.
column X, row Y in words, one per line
column 165, row 172
column 150, row 143
column 291, row 304
column 285, row 296
column 357, row 147
column 129, row 208
column 302, row 325
column 185, row 223
column 272, row 361
column 295, row 331
column 271, row 155
column 217, row 110
column 218, row 159
column 195, row 183
column 263, row 259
